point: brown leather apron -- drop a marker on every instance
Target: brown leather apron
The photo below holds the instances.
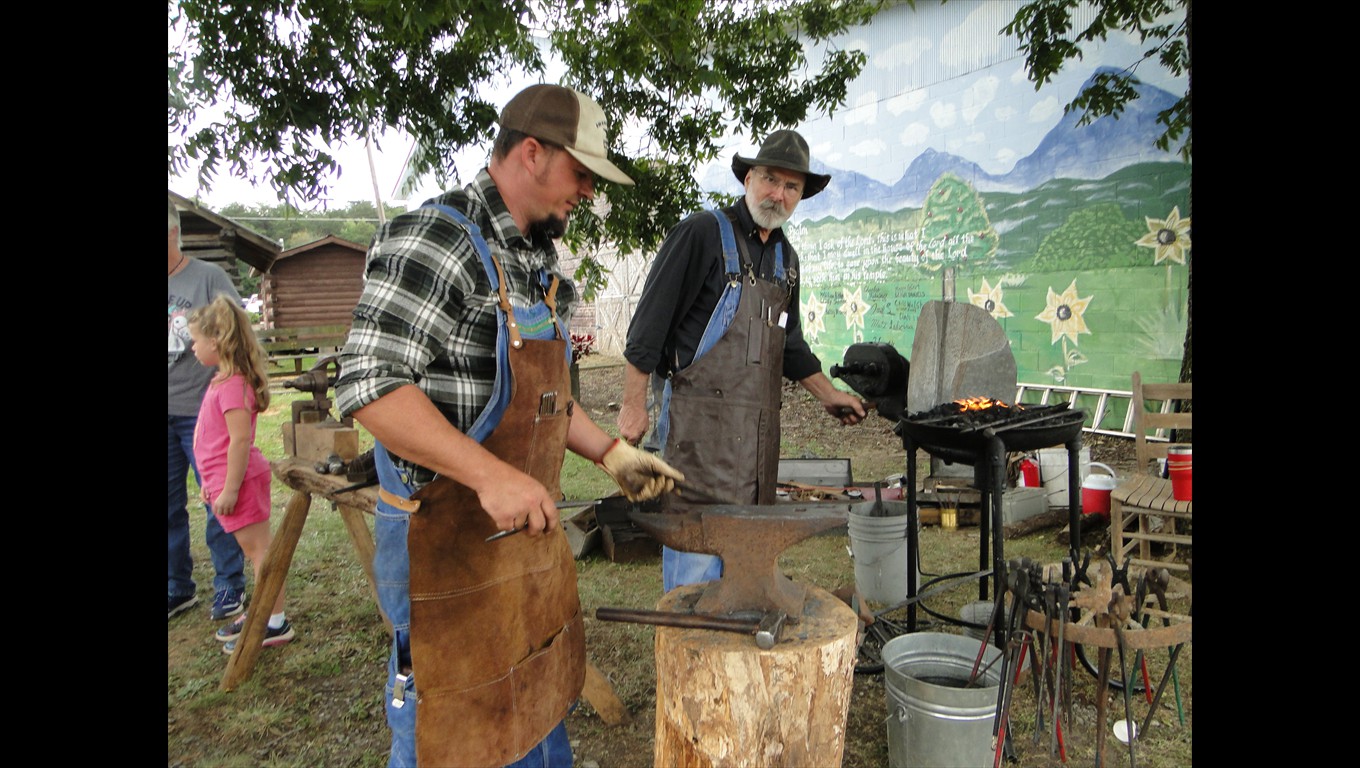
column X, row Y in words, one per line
column 724, row 407
column 497, row 638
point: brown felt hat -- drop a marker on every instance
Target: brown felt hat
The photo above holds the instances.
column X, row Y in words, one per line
column 566, row 118
column 783, row 149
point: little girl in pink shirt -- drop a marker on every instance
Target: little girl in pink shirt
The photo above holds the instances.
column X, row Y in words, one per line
column 236, row 474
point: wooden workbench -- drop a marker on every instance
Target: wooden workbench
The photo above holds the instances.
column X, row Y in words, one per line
column 306, row 482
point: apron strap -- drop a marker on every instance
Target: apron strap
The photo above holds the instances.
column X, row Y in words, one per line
column 508, row 330
column 550, row 297
column 511, row 325
column 729, row 245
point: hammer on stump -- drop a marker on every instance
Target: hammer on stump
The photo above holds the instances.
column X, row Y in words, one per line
column 766, row 628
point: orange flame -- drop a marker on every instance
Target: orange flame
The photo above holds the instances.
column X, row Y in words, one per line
column 979, row 403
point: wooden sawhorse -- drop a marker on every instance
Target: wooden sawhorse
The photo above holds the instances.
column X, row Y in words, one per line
column 305, row 481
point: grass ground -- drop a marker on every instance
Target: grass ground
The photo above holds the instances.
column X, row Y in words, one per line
column 317, row 701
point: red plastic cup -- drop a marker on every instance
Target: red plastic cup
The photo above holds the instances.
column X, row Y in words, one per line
column 1178, row 467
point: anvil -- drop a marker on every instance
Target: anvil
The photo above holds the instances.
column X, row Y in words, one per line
column 749, row 539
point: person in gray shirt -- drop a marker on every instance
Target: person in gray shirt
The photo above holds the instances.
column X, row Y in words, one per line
column 193, row 283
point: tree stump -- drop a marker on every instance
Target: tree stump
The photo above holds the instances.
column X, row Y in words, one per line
column 722, row 701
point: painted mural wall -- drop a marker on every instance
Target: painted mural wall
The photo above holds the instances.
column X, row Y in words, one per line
column 946, row 161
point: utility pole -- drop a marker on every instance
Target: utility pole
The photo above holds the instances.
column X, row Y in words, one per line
column 373, row 174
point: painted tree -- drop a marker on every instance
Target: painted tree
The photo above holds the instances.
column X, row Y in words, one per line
column 294, row 76
column 1097, row 237
column 954, row 226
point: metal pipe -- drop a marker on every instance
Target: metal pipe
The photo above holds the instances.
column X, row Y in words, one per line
column 994, row 492
column 1062, row 658
column 913, row 522
column 1128, row 705
column 688, row 620
column 1074, row 495
column 560, row 505
column 1161, row 687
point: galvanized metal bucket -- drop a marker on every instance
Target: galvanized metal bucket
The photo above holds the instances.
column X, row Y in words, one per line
column 933, row 720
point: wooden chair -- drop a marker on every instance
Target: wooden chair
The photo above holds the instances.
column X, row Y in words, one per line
column 1146, row 494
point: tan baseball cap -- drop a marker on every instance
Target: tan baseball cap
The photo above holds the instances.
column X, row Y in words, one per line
column 565, row 117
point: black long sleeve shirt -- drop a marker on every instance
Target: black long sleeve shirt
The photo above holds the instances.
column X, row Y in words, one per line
column 685, row 282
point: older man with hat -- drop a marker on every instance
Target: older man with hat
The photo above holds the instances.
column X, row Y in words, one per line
column 718, row 323
column 457, row 363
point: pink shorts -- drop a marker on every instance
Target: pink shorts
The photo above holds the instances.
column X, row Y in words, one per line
column 252, row 504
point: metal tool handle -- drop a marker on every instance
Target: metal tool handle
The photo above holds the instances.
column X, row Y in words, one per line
column 766, row 629
column 668, row 619
column 560, row 505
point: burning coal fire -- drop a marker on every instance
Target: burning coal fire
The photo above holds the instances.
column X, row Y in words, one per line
column 980, row 404
column 976, row 411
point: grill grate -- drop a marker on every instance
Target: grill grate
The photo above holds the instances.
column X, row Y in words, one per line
column 955, row 415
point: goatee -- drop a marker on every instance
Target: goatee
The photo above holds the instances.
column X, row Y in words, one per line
column 770, row 214
column 552, row 227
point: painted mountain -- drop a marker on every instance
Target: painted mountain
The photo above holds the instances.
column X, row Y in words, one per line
column 1068, row 150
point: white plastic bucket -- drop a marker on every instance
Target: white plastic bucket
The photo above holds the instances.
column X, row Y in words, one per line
column 1053, row 471
column 1095, row 492
column 878, row 546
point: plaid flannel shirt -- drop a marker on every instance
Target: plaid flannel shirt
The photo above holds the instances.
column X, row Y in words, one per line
column 427, row 314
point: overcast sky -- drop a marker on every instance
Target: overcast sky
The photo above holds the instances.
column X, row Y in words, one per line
column 356, row 181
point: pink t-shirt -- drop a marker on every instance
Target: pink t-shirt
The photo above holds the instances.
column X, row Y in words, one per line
column 211, row 437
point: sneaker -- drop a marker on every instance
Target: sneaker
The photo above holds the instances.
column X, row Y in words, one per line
column 271, row 637
column 179, row 605
column 227, row 603
column 231, row 631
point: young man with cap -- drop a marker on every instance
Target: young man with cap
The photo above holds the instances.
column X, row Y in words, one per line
column 457, row 363
column 718, row 320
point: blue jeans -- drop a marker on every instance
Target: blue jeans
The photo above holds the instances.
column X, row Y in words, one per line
column 681, row 568
column 228, row 560
column 554, row 751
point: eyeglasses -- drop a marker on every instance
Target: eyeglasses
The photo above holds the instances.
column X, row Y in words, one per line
column 791, row 188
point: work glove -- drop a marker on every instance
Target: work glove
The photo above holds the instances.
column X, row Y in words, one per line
column 640, row 475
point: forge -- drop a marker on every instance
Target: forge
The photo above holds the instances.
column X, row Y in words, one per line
column 962, row 375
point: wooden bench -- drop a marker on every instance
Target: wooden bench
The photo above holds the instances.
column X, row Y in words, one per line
column 287, row 348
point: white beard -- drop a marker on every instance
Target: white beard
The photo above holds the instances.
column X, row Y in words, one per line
column 768, row 214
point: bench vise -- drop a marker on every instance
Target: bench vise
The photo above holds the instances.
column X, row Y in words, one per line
column 313, row 433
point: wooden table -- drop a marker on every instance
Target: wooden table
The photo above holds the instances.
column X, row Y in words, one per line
column 305, row 481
